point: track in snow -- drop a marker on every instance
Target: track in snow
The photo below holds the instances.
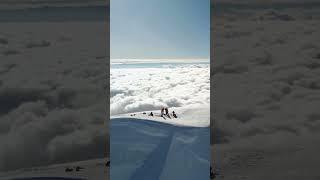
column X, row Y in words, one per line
column 149, row 150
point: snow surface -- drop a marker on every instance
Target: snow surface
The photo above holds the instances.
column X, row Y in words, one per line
column 94, row 169
column 151, row 148
column 196, row 118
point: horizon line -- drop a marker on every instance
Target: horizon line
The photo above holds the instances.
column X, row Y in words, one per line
column 159, row 58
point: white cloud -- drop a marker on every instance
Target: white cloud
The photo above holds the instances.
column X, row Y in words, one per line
column 142, row 89
column 53, row 100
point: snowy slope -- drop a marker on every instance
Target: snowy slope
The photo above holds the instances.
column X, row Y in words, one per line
column 95, row 169
column 197, row 117
column 151, row 148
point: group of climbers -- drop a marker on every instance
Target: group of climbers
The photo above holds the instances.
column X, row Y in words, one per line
column 165, row 112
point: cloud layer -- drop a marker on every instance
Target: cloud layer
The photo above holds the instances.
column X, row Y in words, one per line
column 53, row 93
column 142, row 89
column 266, row 96
column 275, row 70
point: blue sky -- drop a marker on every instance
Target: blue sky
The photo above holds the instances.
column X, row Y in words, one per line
column 159, row 29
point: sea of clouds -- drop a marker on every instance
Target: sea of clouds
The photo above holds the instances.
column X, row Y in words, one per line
column 266, row 93
column 53, row 93
column 274, row 73
column 143, row 89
